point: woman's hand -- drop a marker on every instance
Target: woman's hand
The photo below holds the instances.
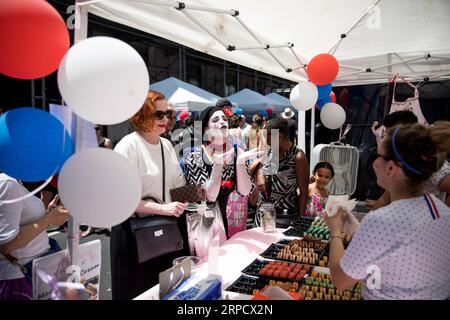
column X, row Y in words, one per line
column 247, row 155
column 56, row 201
column 173, row 208
column 57, row 216
column 261, row 182
column 370, row 204
column 335, row 223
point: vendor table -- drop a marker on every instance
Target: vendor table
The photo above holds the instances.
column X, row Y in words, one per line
column 234, row 255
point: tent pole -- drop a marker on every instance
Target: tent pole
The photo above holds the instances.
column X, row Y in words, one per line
column 190, row 17
column 301, row 130
column 444, row 73
column 345, row 34
column 81, row 4
column 406, row 63
column 257, row 39
column 427, row 56
column 263, row 46
column 313, row 131
column 80, row 33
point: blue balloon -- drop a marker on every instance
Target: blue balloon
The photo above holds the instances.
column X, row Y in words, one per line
column 31, row 144
column 238, row 112
column 324, row 91
column 322, row 102
column 263, row 113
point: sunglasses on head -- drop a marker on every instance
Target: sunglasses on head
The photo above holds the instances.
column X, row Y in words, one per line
column 159, row 115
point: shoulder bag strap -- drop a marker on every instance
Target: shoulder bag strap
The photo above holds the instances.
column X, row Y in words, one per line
column 163, row 173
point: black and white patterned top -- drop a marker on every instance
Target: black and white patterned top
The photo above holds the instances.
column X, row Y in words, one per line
column 197, row 168
column 284, row 191
column 432, row 184
column 408, row 245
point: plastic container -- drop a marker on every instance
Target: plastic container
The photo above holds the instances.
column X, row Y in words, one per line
column 195, row 261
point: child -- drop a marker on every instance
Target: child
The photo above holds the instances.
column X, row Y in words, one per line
column 317, row 193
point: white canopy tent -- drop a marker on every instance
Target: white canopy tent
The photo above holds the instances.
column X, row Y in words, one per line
column 185, row 96
column 372, row 39
column 252, row 101
column 278, row 97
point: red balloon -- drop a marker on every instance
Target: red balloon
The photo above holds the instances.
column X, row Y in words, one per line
column 33, row 38
column 322, row 69
column 269, row 111
column 333, row 96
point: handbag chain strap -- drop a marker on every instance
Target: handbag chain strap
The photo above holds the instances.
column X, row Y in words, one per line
column 163, row 173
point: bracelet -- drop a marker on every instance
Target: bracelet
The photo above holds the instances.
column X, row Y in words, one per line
column 336, row 236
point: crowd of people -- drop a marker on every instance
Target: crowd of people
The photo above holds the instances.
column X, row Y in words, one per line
column 403, row 235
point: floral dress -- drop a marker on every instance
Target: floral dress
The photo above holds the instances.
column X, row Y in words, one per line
column 315, row 205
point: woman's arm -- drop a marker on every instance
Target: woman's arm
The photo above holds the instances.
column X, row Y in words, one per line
column 340, row 279
column 445, row 186
column 302, row 170
column 168, row 209
column 57, row 216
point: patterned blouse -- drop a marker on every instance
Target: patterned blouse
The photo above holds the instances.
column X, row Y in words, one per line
column 432, row 184
column 197, row 170
column 284, row 191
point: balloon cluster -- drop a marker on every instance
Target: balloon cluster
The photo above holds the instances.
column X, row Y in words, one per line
column 102, row 80
column 322, row 70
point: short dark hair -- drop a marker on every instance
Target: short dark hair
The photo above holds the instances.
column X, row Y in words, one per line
column 399, row 117
column 280, row 124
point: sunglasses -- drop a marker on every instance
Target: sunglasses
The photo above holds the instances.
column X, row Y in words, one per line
column 375, row 154
column 159, row 115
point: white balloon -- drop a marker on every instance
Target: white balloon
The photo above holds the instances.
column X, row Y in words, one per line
column 332, row 115
column 99, row 187
column 103, row 80
column 304, row 96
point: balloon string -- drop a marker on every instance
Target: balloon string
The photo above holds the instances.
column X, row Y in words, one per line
column 46, row 182
column 342, row 135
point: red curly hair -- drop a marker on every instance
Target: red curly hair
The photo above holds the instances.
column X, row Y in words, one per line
column 144, row 119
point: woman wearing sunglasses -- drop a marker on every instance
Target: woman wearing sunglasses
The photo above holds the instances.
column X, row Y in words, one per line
column 400, row 251
column 146, row 149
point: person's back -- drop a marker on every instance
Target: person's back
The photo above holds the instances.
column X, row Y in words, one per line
column 409, row 244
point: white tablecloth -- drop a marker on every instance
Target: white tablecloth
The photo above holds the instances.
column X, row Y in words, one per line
column 234, row 255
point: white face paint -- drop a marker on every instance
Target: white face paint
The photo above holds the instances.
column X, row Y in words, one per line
column 217, row 130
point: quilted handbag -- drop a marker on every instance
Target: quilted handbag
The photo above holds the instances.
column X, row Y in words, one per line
column 191, row 193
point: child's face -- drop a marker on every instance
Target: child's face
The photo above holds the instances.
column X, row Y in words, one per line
column 322, row 177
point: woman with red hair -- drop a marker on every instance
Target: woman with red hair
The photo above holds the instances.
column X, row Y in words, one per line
column 150, row 153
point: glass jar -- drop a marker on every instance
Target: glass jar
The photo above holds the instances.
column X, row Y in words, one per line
column 267, row 216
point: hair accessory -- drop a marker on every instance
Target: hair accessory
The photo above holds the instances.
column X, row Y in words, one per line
column 399, row 157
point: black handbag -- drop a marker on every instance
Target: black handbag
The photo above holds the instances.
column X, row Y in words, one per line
column 156, row 235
